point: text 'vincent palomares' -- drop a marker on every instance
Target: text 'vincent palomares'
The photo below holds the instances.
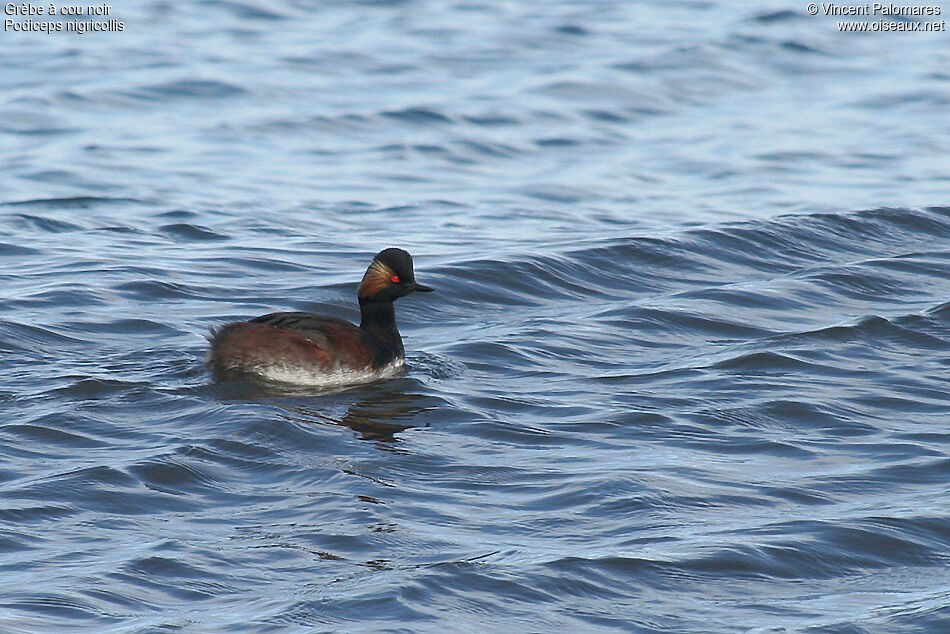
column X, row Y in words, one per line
column 879, row 8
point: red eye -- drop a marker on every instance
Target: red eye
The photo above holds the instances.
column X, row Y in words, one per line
column 395, row 279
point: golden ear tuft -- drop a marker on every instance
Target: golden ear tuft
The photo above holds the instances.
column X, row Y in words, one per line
column 377, row 277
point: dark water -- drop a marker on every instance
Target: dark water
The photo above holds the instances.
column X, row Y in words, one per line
column 686, row 369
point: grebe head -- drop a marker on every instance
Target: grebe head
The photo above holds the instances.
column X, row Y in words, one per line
column 389, row 277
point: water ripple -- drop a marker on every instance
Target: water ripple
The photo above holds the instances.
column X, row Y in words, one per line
column 686, row 362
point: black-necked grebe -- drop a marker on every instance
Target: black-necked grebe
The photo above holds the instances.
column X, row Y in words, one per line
column 319, row 349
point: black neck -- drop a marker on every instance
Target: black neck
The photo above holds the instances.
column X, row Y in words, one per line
column 379, row 319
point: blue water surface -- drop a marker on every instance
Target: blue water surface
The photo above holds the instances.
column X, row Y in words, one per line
column 686, row 369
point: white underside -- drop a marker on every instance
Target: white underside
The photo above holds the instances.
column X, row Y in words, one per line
column 306, row 376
